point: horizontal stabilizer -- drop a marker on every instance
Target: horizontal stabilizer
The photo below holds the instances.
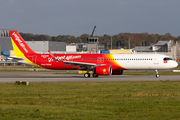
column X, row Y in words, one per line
column 16, row 58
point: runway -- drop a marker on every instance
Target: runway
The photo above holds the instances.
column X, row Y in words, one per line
column 37, row 77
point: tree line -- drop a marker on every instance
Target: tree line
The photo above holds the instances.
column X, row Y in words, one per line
column 118, row 41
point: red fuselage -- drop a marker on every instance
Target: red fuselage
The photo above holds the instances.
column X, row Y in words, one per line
column 46, row 60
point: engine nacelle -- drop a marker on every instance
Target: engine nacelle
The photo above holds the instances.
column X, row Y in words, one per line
column 103, row 70
column 117, row 72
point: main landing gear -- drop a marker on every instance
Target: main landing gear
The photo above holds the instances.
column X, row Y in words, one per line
column 157, row 75
column 86, row 75
column 94, row 75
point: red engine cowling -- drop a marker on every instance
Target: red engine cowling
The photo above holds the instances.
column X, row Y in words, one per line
column 117, row 72
column 103, row 70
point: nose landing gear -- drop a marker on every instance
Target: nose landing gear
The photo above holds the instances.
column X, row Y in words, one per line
column 157, row 75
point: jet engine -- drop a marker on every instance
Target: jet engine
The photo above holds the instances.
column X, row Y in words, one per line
column 103, row 70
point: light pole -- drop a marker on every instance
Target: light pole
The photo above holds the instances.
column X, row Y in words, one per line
column 129, row 43
column 111, row 42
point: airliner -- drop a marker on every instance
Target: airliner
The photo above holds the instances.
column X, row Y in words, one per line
column 100, row 64
column 9, row 54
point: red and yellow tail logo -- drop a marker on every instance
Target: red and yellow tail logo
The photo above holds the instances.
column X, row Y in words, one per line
column 20, row 43
column 21, row 49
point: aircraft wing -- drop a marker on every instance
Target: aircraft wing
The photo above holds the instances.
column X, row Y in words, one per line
column 82, row 65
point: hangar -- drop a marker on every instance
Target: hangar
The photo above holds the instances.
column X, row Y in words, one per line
column 44, row 46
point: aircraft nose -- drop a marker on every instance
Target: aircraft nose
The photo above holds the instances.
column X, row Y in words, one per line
column 175, row 64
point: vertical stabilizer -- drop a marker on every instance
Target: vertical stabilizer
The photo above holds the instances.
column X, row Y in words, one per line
column 19, row 43
column 21, row 49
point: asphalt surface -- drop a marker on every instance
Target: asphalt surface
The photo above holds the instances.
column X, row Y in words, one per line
column 34, row 77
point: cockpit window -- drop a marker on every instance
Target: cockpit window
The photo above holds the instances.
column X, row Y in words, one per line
column 167, row 59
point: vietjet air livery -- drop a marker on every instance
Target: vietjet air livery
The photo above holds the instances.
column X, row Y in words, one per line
column 100, row 64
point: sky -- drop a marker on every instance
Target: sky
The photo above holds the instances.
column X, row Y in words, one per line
column 77, row 17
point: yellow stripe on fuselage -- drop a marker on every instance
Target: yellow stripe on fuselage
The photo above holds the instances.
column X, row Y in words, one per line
column 110, row 56
column 19, row 54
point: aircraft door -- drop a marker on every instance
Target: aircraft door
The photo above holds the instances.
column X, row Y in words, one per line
column 156, row 59
column 33, row 58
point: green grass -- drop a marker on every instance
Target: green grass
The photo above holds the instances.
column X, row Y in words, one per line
column 91, row 100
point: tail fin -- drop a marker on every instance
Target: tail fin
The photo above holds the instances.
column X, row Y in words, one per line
column 19, row 45
column 21, row 49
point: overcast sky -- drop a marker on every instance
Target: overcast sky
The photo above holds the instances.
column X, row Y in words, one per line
column 76, row 17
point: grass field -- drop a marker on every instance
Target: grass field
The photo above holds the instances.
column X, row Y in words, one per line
column 91, row 100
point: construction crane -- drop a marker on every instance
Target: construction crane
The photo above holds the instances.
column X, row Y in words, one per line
column 93, row 31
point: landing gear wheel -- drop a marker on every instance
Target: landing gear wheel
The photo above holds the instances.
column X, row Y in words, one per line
column 86, row 75
column 94, row 75
column 157, row 76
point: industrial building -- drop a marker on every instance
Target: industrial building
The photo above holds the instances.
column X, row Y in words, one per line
column 168, row 47
column 5, row 41
column 44, row 46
